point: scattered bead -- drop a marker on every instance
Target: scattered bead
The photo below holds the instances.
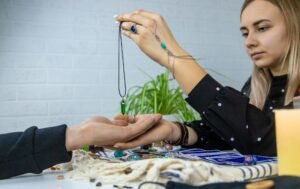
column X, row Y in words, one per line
column 134, row 157
column 118, row 153
column 250, row 160
column 99, row 184
column 149, row 156
column 169, row 155
column 152, row 150
column 85, row 148
column 128, row 187
column 92, row 179
column 54, row 168
column 60, row 177
column 128, row 170
column 117, row 186
column 145, row 147
column 168, row 147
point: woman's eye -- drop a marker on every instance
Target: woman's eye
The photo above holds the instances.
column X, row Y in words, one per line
column 244, row 34
column 261, row 29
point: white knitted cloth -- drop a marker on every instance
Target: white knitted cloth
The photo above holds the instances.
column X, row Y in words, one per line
column 85, row 167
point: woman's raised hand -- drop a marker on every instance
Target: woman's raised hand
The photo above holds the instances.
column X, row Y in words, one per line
column 151, row 33
column 148, row 30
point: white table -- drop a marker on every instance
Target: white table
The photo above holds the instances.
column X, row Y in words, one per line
column 48, row 180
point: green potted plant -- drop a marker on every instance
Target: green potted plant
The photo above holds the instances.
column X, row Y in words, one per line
column 157, row 96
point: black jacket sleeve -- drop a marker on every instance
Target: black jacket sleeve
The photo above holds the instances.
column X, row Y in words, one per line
column 32, row 151
column 233, row 122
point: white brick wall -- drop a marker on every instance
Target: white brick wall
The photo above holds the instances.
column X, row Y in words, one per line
column 58, row 58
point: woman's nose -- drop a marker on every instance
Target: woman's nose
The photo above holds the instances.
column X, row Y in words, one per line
column 251, row 41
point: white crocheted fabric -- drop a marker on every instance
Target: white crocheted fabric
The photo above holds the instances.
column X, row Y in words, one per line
column 86, row 166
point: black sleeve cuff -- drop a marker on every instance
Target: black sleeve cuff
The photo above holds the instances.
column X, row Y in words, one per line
column 207, row 139
column 50, row 148
column 32, row 151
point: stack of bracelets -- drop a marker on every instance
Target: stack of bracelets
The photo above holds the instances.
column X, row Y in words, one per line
column 184, row 137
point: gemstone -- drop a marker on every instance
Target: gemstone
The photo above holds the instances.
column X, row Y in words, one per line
column 250, row 160
column 118, row 153
column 145, row 147
column 123, row 107
column 168, row 147
column 163, row 45
column 134, row 157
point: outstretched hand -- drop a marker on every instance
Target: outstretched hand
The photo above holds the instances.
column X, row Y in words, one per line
column 163, row 130
column 101, row 131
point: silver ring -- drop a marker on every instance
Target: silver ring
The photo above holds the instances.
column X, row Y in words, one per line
column 133, row 29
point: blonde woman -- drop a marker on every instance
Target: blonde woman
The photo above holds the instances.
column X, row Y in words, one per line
column 230, row 119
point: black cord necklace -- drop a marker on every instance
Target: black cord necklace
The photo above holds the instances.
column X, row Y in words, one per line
column 121, row 61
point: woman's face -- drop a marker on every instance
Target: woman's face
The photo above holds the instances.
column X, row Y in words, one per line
column 265, row 35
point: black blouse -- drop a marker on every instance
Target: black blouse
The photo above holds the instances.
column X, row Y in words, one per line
column 230, row 122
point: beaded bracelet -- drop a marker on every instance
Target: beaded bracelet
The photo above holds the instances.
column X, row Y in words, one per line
column 171, row 62
column 183, row 139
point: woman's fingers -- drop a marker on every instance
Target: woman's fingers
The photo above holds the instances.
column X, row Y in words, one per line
column 139, row 141
column 127, row 118
column 120, row 122
column 99, row 119
column 141, row 126
column 138, row 19
column 127, row 26
column 144, row 139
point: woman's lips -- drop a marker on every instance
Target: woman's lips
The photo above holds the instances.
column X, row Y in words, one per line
column 257, row 55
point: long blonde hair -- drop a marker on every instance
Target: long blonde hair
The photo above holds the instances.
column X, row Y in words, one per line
column 261, row 78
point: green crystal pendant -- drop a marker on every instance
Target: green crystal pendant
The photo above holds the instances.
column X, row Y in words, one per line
column 123, row 106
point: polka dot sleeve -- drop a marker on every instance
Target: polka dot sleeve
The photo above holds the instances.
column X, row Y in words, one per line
column 227, row 114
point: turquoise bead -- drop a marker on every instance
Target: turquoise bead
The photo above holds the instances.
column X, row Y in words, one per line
column 118, row 153
column 163, row 45
column 169, row 155
column 134, row 157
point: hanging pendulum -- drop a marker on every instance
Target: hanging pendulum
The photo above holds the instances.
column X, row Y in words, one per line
column 121, row 61
column 120, row 153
